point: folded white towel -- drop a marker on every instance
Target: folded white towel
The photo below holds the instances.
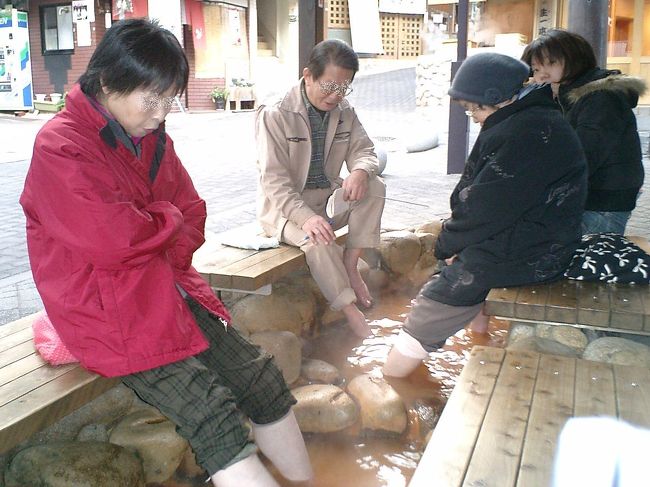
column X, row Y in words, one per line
column 248, row 240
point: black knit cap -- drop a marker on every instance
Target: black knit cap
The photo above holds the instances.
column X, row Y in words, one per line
column 489, row 78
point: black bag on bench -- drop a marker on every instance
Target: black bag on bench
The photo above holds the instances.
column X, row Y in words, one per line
column 609, row 257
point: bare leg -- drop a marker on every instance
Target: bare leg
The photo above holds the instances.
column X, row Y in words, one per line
column 250, row 472
column 283, row 444
column 356, row 320
column 350, row 261
column 405, row 356
column 480, row 322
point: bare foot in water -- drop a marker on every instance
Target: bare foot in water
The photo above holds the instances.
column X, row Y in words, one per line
column 356, row 321
column 350, row 260
column 480, row 323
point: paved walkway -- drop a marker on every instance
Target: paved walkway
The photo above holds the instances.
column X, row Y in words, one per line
column 219, row 153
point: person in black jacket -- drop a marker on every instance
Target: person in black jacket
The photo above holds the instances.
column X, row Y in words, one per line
column 516, row 210
column 598, row 104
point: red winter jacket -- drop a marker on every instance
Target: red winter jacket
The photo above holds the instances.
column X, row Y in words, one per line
column 108, row 248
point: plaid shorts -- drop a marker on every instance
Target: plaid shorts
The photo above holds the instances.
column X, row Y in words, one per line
column 209, row 396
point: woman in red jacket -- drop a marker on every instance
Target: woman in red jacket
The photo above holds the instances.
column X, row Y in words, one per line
column 112, row 222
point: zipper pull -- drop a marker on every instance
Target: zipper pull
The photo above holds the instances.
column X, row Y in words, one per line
column 223, row 322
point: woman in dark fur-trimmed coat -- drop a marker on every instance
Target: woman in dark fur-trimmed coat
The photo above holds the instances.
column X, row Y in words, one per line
column 598, row 104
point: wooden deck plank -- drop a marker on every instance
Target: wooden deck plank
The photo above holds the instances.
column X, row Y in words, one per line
column 54, row 400
column 595, row 394
column 31, row 381
column 593, row 304
column 20, row 367
column 497, row 453
column 531, row 302
column 645, row 297
column 269, row 271
column 633, row 394
column 562, row 302
column 18, row 352
column 447, row 455
column 627, row 307
column 10, row 341
column 552, row 406
column 501, row 302
column 18, row 325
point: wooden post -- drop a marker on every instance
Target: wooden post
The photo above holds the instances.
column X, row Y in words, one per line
column 458, row 138
column 589, row 19
column 306, row 31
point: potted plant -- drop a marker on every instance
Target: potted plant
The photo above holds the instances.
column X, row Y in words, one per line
column 219, row 95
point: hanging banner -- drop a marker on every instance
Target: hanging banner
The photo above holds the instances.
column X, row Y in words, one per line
column 126, row 9
column 194, row 15
column 168, row 16
column 365, row 27
column 234, row 24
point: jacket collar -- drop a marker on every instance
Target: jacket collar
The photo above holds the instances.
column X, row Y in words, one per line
column 80, row 106
column 292, row 102
column 599, row 79
column 541, row 96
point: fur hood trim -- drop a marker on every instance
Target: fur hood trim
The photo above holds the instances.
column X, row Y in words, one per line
column 616, row 82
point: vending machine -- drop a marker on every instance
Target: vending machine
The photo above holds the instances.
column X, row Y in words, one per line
column 15, row 62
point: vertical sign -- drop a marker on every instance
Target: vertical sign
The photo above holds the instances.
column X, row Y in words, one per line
column 546, row 16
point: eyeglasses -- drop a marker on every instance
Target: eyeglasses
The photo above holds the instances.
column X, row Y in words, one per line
column 329, row 87
column 471, row 111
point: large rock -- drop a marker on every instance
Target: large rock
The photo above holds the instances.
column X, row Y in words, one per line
column 518, row 331
column 382, row 409
column 75, row 464
column 323, row 408
column 285, row 348
column 288, row 308
column 427, row 247
column 400, row 251
column 542, row 345
column 421, row 141
column 155, row 439
column 567, row 335
column 433, row 227
column 620, row 351
column 103, row 410
column 377, row 279
column 315, row 370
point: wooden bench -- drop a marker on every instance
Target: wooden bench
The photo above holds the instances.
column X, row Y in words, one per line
column 612, row 307
column 503, row 418
column 249, row 271
column 34, row 394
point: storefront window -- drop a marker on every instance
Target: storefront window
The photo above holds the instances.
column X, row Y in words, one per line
column 56, row 29
column 621, row 19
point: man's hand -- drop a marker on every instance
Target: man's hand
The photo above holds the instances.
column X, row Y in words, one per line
column 319, row 230
column 355, row 186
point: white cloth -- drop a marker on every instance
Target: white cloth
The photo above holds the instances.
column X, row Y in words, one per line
column 248, row 240
column 601, row 452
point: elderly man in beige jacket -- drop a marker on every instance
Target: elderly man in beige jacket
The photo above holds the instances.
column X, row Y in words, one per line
column 302, row 142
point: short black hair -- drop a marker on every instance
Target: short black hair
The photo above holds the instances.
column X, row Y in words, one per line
column 561, row 45
column 332, row 51
column 136, row 53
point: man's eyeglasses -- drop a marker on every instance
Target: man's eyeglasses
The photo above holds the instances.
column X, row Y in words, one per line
column 470, row 112
column 329, row 87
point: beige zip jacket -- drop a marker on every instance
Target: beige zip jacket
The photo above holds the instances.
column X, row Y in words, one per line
column 283, row 139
